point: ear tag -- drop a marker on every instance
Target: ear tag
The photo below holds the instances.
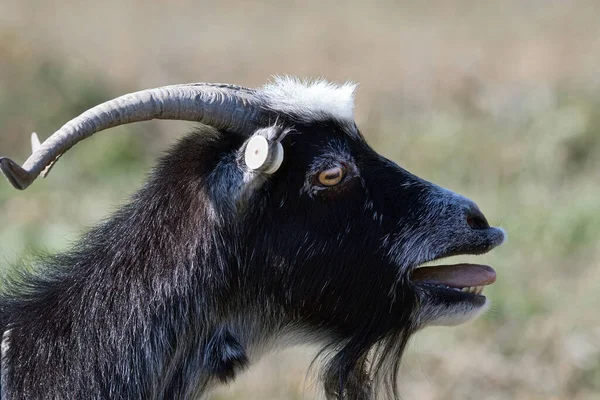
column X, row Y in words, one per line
column 263, row 156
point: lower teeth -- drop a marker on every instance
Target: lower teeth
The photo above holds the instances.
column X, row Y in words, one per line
column 471, row 289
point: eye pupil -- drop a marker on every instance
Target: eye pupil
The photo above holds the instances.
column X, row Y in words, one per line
column 331, row 177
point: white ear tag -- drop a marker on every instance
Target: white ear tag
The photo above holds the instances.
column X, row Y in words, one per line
column 260, row 155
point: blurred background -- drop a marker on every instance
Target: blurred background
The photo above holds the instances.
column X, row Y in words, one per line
column 497, row 100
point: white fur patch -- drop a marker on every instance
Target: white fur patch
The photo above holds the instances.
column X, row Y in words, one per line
column 3, row 368
column 448, row 314
column 4, row 346
column 309, row 101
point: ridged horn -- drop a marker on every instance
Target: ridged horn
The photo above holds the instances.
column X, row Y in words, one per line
column 227, row 107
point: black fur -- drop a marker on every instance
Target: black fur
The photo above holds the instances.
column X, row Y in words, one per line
column 224, row 355
column 171, row 293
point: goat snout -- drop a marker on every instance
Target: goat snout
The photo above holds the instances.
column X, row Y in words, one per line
column 461, row 225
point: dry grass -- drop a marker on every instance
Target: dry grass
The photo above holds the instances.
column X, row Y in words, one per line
column 496, row 100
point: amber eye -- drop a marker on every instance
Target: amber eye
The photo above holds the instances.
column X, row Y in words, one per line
column 331, row 176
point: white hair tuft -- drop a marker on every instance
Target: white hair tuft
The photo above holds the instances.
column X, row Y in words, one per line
column 310, row 100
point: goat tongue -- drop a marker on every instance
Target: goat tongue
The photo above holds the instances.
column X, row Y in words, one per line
column 455, row 276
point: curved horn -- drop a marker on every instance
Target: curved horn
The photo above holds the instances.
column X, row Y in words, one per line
column 228, row 107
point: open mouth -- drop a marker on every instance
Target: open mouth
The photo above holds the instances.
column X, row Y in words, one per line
column 468, row 279
column 453, row 294
column 460, row 282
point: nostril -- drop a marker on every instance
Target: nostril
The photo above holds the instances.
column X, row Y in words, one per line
column 476, row 219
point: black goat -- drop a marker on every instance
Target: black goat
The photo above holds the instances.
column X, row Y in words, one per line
column 275, row 223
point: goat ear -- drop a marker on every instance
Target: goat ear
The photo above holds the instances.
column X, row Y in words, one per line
column 258, row 158
column 224, row 355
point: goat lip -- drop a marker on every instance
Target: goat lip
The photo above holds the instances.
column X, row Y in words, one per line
column 455, row 276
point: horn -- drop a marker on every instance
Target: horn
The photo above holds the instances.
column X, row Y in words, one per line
column 222, row 106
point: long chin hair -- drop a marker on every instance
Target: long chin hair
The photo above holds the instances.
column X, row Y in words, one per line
column 366, row 366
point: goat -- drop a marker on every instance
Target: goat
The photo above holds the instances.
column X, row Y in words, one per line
column 272, row 224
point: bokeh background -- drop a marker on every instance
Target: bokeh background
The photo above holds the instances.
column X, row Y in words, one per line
column 498, row 100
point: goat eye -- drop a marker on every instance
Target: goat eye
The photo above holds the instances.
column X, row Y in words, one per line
column 331, row 176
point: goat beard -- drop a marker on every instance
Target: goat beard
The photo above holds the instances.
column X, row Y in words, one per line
column 367, row 365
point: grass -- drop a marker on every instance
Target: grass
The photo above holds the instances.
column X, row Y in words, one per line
column 500, row 104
